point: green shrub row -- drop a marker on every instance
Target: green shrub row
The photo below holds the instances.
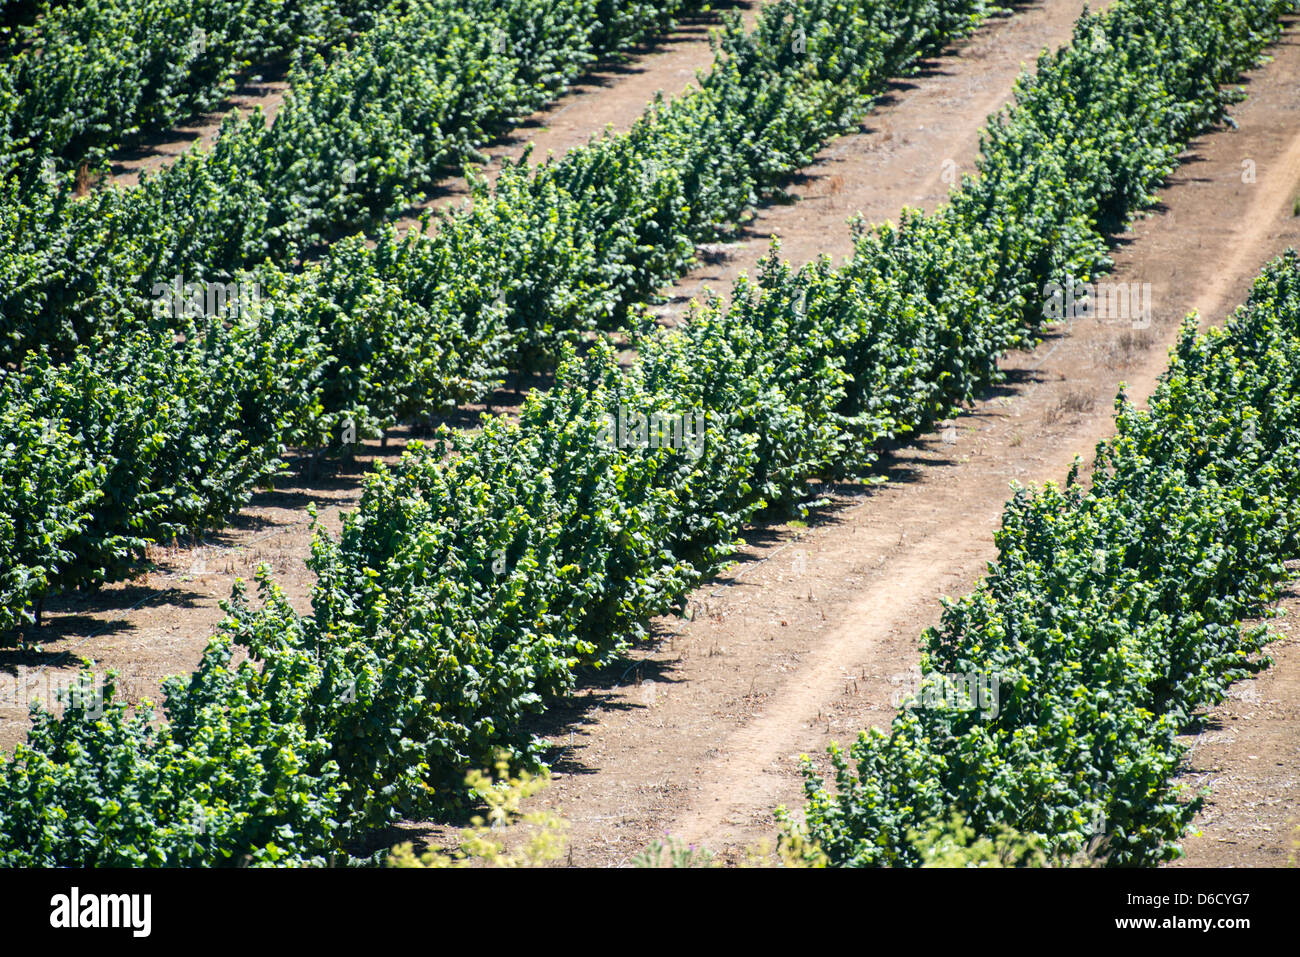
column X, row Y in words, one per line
column 478, row 575
column 1109, row 618
column 497, row 567
column 555, row 251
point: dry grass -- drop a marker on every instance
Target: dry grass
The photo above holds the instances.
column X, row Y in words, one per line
column 1122, row 351
column 1075, row 402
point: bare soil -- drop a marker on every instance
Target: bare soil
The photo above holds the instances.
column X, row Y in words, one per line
column 1247, row 756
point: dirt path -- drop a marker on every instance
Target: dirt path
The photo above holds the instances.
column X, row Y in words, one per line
column 812, row 638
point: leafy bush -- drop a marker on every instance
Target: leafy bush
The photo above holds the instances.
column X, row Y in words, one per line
column 233, row 777
column 353, row 142
column 953, row 843
column 100, row 462
column 478, row 845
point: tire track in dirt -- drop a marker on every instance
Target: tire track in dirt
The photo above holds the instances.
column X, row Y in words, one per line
column 744, row 783
column 1251, row 233
column 808, row 642
column 760, row 744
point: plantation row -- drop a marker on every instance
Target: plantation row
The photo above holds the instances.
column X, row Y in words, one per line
column 352, row 144
column 134, row 438
column 475, row 578
column 1109, row 619
column 89, row 75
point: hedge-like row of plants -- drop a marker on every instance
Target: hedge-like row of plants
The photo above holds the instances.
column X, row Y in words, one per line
column 476, row 577
column 354, row 141
column 415, row 325
column 1108, row 620
column 90, row 75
